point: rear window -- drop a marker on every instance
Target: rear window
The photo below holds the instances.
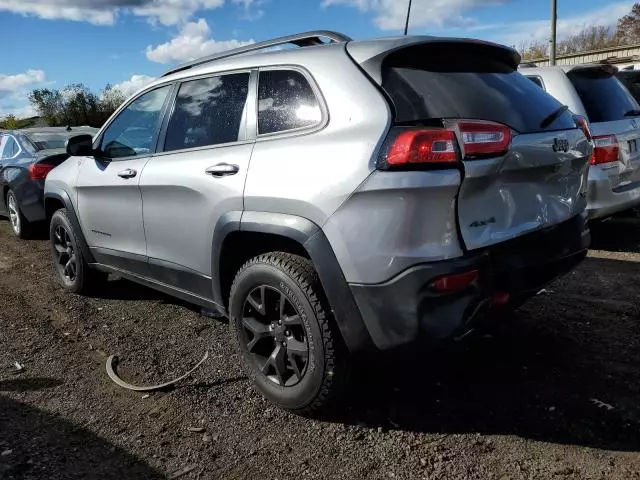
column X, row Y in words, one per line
column 605, row 99
column 456, row 83
column 631, row 80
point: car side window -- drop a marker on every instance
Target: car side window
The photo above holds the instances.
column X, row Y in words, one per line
column 9, row 147
column 133, row 131
column 208, row 111
column 286, row 101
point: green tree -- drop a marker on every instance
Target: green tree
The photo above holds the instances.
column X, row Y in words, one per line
column 10, row 122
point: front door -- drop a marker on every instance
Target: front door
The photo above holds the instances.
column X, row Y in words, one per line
column 109, row 199
column 197, row 176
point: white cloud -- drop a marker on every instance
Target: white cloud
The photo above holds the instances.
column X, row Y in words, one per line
column 252, row 10
column 18, row 111
column 193, row 41
column 14, row 92
column 10, row 84
column 105, row 12
column 135, row 83
column 392, row 14
column 171, row 12
column 540, row 30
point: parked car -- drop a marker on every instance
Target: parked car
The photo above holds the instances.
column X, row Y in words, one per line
column 594, row 92
column 346, row 197
column 26, row 157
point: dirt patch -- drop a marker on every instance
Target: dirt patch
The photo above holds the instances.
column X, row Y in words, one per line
column 555, row 395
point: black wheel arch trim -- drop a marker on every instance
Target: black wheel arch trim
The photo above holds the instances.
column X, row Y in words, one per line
column 313, row 240
column 63, row 197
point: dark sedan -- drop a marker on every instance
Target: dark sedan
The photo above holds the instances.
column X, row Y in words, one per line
column 26, row 157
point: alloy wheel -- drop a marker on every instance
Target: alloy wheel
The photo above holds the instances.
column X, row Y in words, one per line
column 275, row 336
column 14, row 213
column 66, row 256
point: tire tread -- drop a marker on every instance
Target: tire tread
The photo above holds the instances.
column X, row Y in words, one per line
column 303, row 273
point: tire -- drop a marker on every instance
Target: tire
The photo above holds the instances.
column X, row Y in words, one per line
column 20, row 226
column 72, row 270
column 259, row 291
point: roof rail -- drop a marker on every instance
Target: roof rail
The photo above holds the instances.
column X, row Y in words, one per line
column 306, row 39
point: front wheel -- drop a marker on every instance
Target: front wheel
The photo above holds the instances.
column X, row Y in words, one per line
column 72, row 269
column 288, row 343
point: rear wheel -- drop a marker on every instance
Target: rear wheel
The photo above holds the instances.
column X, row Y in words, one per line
column 20, row 226
column 72, row 269
column 288, row 344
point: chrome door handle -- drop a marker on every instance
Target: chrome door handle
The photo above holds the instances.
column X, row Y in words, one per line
column 128, row 173
column 222, row 169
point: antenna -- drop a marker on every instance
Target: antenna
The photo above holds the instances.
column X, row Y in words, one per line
column 406, row 25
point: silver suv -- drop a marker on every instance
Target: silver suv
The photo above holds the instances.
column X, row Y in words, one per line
column 330, row 200
column 594, row 92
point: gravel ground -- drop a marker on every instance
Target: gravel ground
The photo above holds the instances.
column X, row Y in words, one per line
column 556, row 394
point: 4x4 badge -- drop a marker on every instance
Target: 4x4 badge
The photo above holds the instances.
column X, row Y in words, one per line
column 560, row 145
column 634, row 123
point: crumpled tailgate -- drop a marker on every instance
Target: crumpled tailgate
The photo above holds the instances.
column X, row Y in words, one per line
column 537, row 184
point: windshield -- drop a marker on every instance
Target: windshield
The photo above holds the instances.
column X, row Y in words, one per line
column 49, row 141
column 605, row 99
column 459, row 85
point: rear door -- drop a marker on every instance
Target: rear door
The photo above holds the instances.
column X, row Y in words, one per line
column 612, row 110
column 541, row 179
column 197, row 176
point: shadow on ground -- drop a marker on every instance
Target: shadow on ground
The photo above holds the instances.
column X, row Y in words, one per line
column 619, row 234
column 564, row 371
column 37, row 445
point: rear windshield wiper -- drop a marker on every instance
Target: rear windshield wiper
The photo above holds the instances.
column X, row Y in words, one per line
column 553, row 117
column 632, row 113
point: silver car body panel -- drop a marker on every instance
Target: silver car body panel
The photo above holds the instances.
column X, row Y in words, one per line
column 110, row 207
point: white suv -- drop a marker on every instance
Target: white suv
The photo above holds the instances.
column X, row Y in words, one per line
column 594, row 92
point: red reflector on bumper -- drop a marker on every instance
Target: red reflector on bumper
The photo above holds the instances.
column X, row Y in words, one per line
column 500, row 298
column 454, row 283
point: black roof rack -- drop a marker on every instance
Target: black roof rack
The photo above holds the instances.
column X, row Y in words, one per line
column 306, row 39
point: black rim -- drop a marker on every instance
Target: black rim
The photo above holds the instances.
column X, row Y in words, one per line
column 65, row 253
column 275, row 336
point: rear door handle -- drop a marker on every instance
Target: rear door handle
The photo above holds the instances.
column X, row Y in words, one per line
column 127, row 173
column 222, row 170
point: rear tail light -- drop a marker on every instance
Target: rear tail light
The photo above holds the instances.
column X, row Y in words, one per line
column 454, row 283
column 423, row 146
column 39, row 171
column 583, row 124
column 606, row 149
column 484, row 138
column 466, row 139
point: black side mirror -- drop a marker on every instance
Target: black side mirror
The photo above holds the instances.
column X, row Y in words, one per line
column 80, row 146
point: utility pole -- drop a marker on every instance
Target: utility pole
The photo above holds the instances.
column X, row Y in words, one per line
column 406, row 25
column 554, row 31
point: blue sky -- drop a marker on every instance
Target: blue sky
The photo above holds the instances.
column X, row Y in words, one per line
column 128, row 42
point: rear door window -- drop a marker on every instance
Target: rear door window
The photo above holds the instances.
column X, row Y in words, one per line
column 457, row 83
column 208, row 112
column 605, row 99
column 286, row 102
